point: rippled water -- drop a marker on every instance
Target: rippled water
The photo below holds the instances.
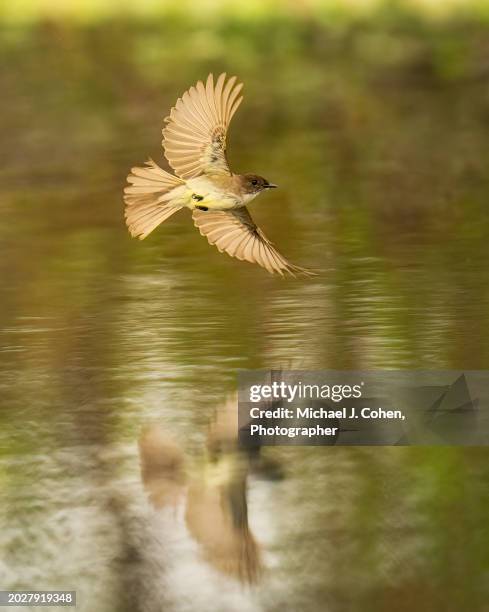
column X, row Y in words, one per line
column 383, row 188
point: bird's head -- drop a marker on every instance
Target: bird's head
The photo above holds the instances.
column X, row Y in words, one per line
column 253, row 184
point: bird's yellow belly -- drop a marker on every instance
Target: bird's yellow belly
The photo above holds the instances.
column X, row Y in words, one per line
column 218, row 204
column 203, row 193
column 212, row 202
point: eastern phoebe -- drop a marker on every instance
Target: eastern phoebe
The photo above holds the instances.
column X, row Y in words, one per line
column 194, row 141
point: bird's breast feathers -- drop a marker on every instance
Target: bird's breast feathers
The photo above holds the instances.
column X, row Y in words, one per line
column 213, row 193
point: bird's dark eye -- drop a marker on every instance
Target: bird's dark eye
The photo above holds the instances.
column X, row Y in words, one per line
column 254, row 182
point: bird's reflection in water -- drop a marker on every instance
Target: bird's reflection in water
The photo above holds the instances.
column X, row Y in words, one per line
column 214, row 491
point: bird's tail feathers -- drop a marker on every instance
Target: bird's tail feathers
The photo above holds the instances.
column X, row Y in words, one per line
column 151, row 197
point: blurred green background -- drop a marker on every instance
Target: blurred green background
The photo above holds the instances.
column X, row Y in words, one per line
column 373, row 117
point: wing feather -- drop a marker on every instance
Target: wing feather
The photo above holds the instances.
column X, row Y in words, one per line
column 235, row 233
column 194, row 138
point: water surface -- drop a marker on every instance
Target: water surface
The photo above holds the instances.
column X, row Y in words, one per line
column 382, row 167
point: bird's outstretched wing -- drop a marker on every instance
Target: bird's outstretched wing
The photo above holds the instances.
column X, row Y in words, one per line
column 236, row 233
column 195, row 138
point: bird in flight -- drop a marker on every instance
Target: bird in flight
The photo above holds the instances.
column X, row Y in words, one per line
column 194, row 142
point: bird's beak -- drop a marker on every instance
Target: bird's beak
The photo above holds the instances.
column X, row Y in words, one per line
column 271, row 186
